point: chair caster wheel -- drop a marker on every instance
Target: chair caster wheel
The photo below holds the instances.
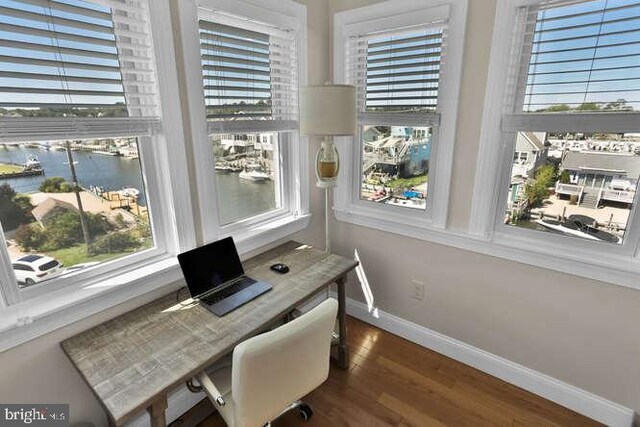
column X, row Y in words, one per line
column 306, row 412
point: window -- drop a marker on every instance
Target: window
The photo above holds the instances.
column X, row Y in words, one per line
column 248, row 78
column 569, row 121
column 79, row 119
column 406, row 70
column 250, row 58
column 402, row 76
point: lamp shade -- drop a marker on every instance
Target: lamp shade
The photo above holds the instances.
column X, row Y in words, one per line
column 328, row 110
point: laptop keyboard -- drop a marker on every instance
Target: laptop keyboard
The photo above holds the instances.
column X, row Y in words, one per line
column 227, row 292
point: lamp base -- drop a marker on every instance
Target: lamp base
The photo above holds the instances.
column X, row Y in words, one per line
column 326, row 184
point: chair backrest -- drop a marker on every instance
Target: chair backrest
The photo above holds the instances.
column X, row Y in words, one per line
column 274, row 369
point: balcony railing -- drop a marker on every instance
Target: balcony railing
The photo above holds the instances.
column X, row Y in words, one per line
column 617, row 195
column 569, row 189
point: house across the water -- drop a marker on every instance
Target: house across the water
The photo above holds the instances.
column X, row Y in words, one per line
column 596, row 178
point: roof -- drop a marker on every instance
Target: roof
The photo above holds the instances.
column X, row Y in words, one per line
column 603, row 161
column 45, row 208
column 30, row 258
column 389, row 141
column 534, row 139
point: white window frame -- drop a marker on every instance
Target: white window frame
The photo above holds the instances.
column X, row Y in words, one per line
column 31, row 312
column 495, row 159
column 390, row 15
column 293, row 215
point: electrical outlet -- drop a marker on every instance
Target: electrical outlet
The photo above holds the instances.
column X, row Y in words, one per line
column 418, row 289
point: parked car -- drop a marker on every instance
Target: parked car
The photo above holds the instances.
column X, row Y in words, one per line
column 32, row 269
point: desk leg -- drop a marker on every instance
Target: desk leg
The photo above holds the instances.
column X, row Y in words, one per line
column 343, row 350
column 157, row 412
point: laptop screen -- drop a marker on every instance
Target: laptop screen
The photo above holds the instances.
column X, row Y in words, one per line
column 210, row 265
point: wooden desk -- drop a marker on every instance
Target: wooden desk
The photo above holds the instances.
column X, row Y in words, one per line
column 133, row 361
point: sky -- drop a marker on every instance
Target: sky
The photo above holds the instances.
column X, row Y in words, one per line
column 586, row 52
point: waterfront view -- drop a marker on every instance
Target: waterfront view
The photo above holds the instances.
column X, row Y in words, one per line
column 395, row 165
column 52, row 226
column 41, row 217
column 246, row 177
column 579, row 185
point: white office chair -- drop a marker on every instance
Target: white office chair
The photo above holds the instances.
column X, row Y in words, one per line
column 272, row 371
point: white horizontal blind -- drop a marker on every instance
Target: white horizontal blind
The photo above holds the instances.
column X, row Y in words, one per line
column 579, row 56
column 76, row 59
column 248, row 75
column 27, row 129
column 398, row 71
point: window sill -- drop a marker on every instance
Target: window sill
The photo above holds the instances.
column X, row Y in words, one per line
column 619, row 270
column 264, row 233
column 38, row 316
column 398, row 220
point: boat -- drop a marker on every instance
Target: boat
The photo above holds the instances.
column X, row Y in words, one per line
column 32, row 163
column 254, row 172
column 130, row 192
column 576, row 225
column 408, row 203
column 223, row 167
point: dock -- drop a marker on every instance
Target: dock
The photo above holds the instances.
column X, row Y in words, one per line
column 11, row 170
column 117, row 200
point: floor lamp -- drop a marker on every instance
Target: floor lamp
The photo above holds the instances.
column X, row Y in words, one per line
column 327, row 111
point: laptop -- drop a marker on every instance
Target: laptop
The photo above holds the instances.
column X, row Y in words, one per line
column 215, row 277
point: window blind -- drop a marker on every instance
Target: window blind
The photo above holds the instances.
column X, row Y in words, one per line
column 397, row 72
column 76, row 59
column 579, row 56
column 248, row 75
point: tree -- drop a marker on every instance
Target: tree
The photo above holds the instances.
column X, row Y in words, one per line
column 537, row 190
column 546, row 175
column 56, row 184
column 557, row 108
column 618, row 105
column 15, row 209
column 588, row 106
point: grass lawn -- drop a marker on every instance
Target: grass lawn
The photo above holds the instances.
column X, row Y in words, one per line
column 407, row 182
column 78, row 254
column 5, row 168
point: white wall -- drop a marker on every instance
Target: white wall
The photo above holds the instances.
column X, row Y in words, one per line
column 580, row 331
column 39, row 371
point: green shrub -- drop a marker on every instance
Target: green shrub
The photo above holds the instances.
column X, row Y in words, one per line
column 119, row 220
column 113, row 242
column 64, row 229
column 29, row 237
column 142, row 230
column 15, row 209
column 56, row 184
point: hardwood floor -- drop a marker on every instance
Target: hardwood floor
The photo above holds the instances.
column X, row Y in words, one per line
column 393, row 382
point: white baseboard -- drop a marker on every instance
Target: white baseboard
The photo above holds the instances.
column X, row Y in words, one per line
column 571, row 397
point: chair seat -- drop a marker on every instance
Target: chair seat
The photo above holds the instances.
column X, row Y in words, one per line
column 273, row 370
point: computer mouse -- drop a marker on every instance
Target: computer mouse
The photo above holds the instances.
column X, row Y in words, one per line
column 280, row 268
